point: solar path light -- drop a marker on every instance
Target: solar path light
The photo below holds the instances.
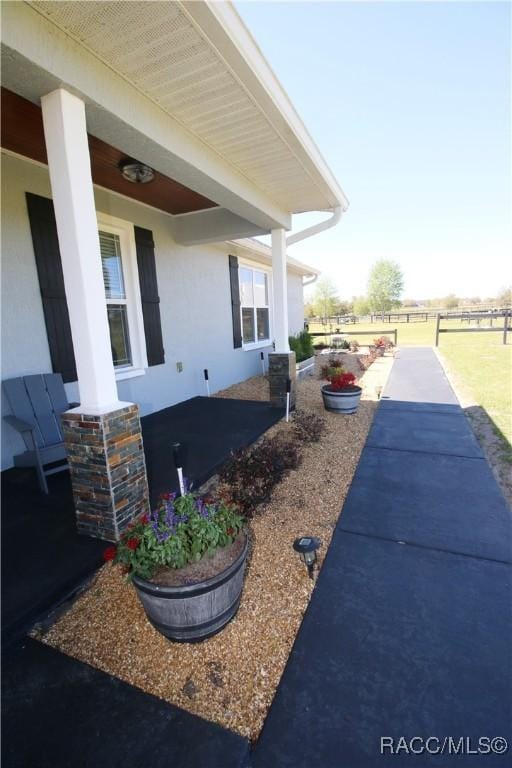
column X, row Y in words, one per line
column 177, row 454
column 307, row 546
column 288, row 390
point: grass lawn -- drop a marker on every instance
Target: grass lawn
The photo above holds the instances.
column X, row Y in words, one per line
column 479, row 359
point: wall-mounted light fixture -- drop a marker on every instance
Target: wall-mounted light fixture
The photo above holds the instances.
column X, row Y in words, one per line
column 136, row 172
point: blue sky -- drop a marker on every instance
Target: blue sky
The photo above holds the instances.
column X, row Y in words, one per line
column 409, row 102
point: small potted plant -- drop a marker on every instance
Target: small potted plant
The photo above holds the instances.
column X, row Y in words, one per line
column 341, row 394
column 380, row 346
column 186, row 560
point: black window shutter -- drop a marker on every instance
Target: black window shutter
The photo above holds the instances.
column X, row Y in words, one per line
column 51, row 283
column 235, row 302
column 149, row 295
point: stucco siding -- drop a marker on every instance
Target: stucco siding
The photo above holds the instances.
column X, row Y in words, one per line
column 194, row 293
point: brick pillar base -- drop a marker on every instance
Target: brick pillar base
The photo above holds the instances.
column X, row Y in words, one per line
column 282, row 366
column 108, row 470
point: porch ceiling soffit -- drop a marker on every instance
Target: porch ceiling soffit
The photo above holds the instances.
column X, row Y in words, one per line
column 38, row 57
column 199, row 63
column 22, row 132
column 212, row 226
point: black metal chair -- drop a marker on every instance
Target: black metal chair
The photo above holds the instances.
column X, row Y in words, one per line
column 36, row 403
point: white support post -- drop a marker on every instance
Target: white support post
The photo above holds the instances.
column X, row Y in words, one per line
column 280, row 285
column 70, row 175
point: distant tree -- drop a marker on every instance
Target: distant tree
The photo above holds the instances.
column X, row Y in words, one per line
column 409, row 303
column 343, row 308
column 309, row 310
column 385, row 285
column 325, row 298
column 361, row 306
column 505, row 296
column 450, row 302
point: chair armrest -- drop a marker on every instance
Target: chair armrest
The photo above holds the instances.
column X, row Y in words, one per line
column 18, row 424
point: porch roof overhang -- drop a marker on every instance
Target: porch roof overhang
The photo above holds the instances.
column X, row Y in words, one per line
column 185, row 89
column 254, row 250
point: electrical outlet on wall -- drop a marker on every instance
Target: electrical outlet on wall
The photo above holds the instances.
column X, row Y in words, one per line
column 179, row 367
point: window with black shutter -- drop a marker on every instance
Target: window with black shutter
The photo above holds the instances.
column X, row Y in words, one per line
column 51, row 284
column 127, row 338
column 149, row 295
column 235, row 302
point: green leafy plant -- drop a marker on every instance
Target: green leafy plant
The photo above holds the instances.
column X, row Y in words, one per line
column 332, row 366
column 302, row 345
column 181, row 530
column 250, row 475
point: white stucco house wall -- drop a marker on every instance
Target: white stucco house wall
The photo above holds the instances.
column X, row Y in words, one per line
column 131, row 289
column 195, row 303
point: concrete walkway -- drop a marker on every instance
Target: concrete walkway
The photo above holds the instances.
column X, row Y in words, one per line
column 408, row 633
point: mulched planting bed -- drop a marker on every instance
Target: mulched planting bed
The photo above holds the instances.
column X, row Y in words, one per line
column 231, row 678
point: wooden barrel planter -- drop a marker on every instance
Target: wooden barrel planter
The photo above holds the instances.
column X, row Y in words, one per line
column 342, row 400
column 193, row 612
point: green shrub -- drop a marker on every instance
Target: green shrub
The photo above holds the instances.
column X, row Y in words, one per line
column 307, row 344
column 302, row 345
column 296, row 346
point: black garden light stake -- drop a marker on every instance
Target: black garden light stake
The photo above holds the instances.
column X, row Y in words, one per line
column 288, row 390
column 307, row 546
column 207, row 382
column 178, row 463
column 262, row 358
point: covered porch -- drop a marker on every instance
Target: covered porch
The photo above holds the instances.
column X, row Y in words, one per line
column 54, row 560
column 143, row 158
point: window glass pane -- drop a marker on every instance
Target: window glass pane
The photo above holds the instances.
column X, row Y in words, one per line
column 111, row 263
column 119, row 337
column 263, row 324
column 248, row 326
column 260, row 289
column 246, row 294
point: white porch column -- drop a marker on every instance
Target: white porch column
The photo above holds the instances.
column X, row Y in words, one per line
column 103, row 435
column 280, row 285
column 70, row 175
column 281, row 363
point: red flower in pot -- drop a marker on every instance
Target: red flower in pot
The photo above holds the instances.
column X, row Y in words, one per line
column 342, row 394
column 341, row 381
